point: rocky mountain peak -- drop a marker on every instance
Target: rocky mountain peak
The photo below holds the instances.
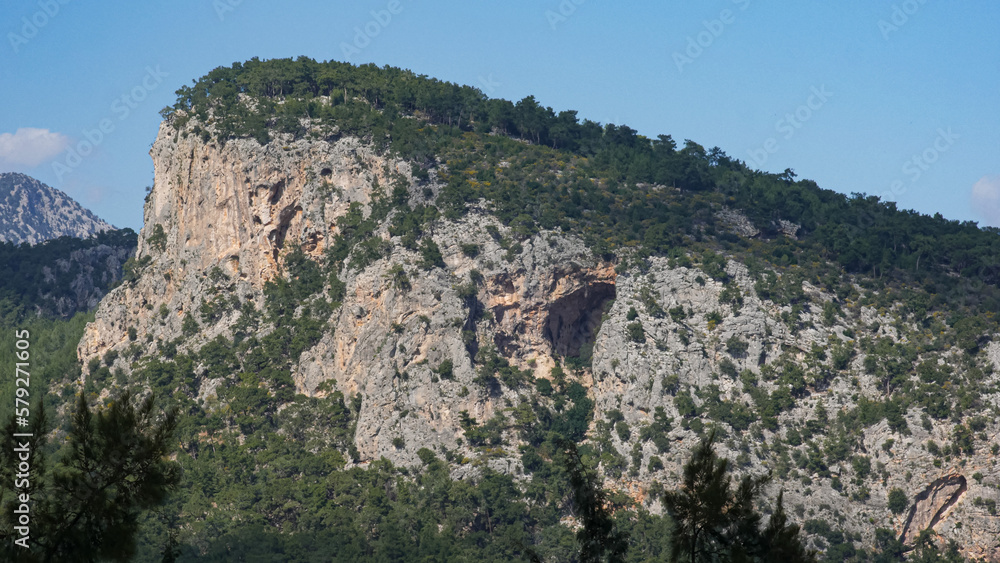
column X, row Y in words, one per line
column 32, row 212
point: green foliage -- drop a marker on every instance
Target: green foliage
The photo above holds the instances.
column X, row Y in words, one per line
column 635, row 332
column 927, row 551
column 623, row 431
column 113, row 468
column 466, row 291
column 841, row 356
column 658, row 430
column 489, row 434
column 655, row 464
column 970, row 333
column 410, row 223
column 494, row 369
column 337, row 289
column 217, row 276
column 367, row 252
column 732, row 296
column 962, row 440
column 158, row 238
column 714, row 265
column 933, row 449
column 189, row 326
column 213, row 310
column 989, row 504
column 685, row 405
column 304, row 274
column 599, row 537
column 218, row 358
column 446, row 370
column 41, row 278
column 714, row 319
column 734, row 413
column 648, row 300
column 398, row 278
column 544, row 386
column 470, row 250
column 426, row 456
column 677, row 314
column 430, row 255
column 862, row 466
column 713, row 521
column 898, row 501
column 737, row 347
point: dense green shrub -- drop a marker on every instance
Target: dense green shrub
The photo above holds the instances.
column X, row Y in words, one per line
column 898, row 501
column 636, row 332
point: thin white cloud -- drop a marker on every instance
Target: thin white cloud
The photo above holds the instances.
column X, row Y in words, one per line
column 986, row 199
column 30, row 146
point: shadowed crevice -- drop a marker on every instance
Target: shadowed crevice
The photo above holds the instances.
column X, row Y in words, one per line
column 925, row 495
column 574, row 319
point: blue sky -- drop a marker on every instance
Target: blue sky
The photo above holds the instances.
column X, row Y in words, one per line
column 897, row 99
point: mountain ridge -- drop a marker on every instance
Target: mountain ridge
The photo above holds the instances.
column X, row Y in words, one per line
column 33, row 212
column 471, row 294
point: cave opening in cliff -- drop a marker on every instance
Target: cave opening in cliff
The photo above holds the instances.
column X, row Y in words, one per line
column 277, row 190
column 573, row 320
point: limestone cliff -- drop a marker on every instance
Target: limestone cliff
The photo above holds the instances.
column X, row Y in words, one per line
column 652, row 333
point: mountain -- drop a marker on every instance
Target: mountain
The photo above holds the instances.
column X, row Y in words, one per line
column 32, row 212
column 382, row 301
column 61, row 277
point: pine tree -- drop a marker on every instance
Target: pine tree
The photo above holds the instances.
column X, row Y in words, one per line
column 600, row 540
column 86, row 507
column 780, row 539
column 712, row 522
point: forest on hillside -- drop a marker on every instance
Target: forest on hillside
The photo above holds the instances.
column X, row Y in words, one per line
column 633, row 203
column 261, row 473
column 59, row 277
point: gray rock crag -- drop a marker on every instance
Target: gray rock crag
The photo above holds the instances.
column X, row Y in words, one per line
column 652, row 334
column 32, row 212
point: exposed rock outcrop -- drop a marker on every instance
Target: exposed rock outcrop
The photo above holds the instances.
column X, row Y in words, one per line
column 931, row 506
column 32, row 212
column 84, row 276
column 652, row 334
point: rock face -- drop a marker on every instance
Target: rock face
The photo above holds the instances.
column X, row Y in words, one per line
column 932, row 503
column 85, row 273
column 32, row 212
column 230, row 208
column 653, row 334
column 235, row 208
